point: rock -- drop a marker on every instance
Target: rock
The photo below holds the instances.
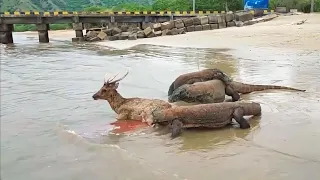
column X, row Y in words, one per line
column 145, row 25
column 167, row 25
column 134, row 29
column 231, row 24
column 214, row 26
column 132, row 36
column 115, row 31
column 204, row 20
column 164, row 32
column 157, row 27
column 92, row 34
column 147, row 31
column 181, row 31
column 206, row 27
column 158, row 33
column 221, row 18
column 198, row 28
column 77, row 39
column 113, row 38
column 190, row 28
column 187, row 22
column 239, row 23
column 140, row 34
column 152, row 34
column 247, row 23
column 178, row 23
column 108, row 32
column 93, row 39
column 229, row 17
column 243, row 16
column 102, row 35
column 124, row 35
column 213, row 19
column 173, row 31
column 124, row 28
column 222, row 25
column 196, row 21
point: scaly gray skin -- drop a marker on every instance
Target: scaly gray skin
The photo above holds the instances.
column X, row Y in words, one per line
column 201, row 76
column 214, row 115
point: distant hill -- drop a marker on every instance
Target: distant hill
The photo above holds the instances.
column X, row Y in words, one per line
column 68, row 5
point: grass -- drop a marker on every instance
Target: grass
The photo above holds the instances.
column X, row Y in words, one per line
column 32, row 27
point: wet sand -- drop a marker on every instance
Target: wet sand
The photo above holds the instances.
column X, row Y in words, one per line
column 281, row 144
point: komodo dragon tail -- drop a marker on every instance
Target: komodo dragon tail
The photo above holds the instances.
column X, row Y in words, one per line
column 248, row 88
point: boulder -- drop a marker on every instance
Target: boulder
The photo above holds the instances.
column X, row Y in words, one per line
column 247, row 23
column 148, row 31
column 173, row 31
column 213, row 19
column 124, row 28
column 221, row 18
column 113, row 38
column 206, row 27
column 115, row 31
column 134, row 29
column 157, row 27
column 187, row 22
column 102, row 35
column 204, row 20
column 158, row 33
column 243, row 16
column 93, row 39
column 152, row 34
column 178, row 23
column 231, row 24
column 229, row 17
column 146, row 24
column 196, row 21
column 124, row 35
column 140, row 34
column 167, row 25
column 164, row 32
column 92, row 34
column 222, row 25
column 198, row 28
column 108, row 32
column 239, row 23
column 214, row 26
column 181, row 30
column 190, row 28
column 132, row 36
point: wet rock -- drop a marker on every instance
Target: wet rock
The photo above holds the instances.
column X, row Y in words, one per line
column 222, row 25
column 247, row 23
column 140, row 34
column 134, row 29
column 132, row 36
column 108, row 32
column 206, row 27
column 229, row 17
column 147, row 31
column 164, row 32
column 124, row 35
column 173, row 31
column 102, row 35
column 214, row 26
column 114, row 38
column 190, row 28
column 146, row 25
column 231, row 24
column 243, row 16
column 151, row 35
column 167, row 25
column 94, row 39
column 239, row 23
column 92, row 34
column 157, row 27
column 181, row 30
column 158, row 33
column 188, row 22
column 115, row 31
column 178, row 23
column 124, row 28
column 198, row 28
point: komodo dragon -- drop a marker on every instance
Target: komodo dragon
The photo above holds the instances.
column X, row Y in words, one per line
column 214, row 115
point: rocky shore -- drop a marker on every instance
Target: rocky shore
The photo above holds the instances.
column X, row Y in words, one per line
column 179, row 26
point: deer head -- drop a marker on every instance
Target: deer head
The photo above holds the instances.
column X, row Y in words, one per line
column 109, row 89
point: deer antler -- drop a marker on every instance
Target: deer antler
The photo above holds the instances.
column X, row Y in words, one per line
column 111, row 80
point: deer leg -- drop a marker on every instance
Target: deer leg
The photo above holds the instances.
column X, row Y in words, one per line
column 238, row 116
column 231, row 92
column 176, row 128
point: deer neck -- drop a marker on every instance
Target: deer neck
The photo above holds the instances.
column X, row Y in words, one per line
column 115, row 100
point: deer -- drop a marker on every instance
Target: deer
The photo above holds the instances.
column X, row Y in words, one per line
column 135, row 108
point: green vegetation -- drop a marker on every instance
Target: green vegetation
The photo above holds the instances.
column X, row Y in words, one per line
column 32, row 27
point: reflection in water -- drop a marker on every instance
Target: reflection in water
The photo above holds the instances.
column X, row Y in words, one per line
column 50, row 124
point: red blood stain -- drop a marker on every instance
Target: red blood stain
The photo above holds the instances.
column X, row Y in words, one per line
column 122, row 126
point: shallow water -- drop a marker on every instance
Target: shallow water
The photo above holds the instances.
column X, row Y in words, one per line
column 52, row 128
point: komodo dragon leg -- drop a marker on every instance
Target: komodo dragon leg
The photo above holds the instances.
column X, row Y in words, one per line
column 176, row 128
column 231, row 92
column 238, row 116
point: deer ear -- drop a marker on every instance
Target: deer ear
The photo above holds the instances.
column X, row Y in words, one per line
column 116, row 85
